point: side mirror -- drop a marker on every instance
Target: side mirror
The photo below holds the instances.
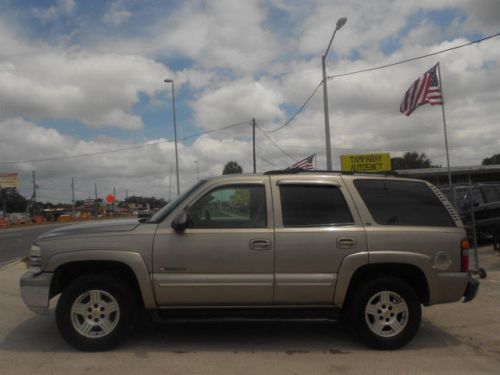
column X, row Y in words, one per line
column 180, row 223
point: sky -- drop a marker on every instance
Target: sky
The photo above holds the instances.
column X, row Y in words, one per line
column 85, row 77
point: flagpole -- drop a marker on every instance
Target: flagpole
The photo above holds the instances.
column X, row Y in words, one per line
column 452, row 193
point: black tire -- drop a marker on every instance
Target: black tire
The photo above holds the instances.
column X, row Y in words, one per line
column 124, row 317
column 391, row 336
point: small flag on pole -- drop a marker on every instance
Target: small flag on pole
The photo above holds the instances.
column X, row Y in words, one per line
column 304, row 164
column 426, row 89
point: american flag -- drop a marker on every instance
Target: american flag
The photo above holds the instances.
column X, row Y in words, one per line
column 304, row 164
column 426, row 89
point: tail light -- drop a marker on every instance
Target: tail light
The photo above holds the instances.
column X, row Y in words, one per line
column 464, row 249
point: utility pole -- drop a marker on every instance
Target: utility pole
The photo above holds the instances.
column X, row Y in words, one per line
column 34, row 187
column 114, row 199
column 96, row 204
column 33, row 198
column 253, row 133
column 73, row 195
column 197, row 170
column 170, row 184
column 4, row 201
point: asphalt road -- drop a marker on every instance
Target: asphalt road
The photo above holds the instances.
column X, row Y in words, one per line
column 15, row 242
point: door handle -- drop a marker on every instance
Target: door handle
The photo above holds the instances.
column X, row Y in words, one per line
column 346, row 243
column 260, row 244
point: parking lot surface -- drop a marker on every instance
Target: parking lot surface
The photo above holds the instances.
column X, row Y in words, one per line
column 454, row 339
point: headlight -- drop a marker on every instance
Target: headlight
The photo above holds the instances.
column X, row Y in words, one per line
column 35, row 259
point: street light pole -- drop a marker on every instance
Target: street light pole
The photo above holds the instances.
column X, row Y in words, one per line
column 175, row 135
column 197, row 170
column 340, row 22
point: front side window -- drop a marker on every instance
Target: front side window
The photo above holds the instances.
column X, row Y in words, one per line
column 313, row 205
column 407, row 203
column 230, row 207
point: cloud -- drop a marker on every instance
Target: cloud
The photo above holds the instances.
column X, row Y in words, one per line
column 116, row 14
column 141, row 171
column 216, row 34
column 238, row 101
column 98, row 90
column 234, row 61
column 61, row 8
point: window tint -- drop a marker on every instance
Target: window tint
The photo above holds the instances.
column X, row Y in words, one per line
column 312, row 205
column 230, row 207
column 403, row 203
column 491, row 193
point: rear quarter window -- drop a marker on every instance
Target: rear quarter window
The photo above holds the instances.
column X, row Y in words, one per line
column 404, row 203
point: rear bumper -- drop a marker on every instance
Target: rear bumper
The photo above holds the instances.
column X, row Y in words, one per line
column 471, row 290
column 453, row 287
column 35, row 291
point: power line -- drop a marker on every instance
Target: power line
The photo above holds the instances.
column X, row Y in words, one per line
column 298, row 111
column 121, row 149
column 276, row 145
column 413, row 58
column 376, row 68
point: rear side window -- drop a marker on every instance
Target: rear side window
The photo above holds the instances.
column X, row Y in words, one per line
column 491, row 193
column 403, row 203
column 313, row 205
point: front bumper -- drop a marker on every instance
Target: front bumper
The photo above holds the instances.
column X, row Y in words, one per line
column 471, row 290
column 35, row 291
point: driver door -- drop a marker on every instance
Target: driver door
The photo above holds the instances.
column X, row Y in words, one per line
column 226, row 254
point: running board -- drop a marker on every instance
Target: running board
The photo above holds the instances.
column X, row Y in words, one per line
column 285, row 313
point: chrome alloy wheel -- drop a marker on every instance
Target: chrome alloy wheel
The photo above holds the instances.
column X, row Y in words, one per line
column 386, row 314
column 95, row 314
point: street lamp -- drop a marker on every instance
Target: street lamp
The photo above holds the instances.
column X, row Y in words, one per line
column 197, row 170
column 175, row 135
column 340, row 22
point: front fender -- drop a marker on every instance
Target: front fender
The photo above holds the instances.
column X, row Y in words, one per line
column 131, row 259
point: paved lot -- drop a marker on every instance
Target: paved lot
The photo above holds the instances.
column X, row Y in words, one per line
column 454, row 338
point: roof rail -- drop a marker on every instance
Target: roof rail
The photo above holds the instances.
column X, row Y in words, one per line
column 297, row 170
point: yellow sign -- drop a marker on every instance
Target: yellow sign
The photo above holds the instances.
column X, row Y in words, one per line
column 366, row 162
column 8, row 180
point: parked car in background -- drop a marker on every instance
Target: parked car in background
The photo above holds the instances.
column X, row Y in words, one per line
column 143, row 212
column 484, row 200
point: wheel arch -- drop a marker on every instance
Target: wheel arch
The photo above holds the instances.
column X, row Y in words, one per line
column 409, row 273
column 129, row 266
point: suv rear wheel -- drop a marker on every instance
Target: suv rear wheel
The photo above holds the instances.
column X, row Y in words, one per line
column 95, row 312
column 386, row 313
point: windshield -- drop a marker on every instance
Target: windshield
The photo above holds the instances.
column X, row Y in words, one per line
column 172, row 205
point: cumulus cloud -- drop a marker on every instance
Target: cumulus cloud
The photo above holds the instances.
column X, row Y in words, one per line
column 60, row 8
column 235, row 61
column 98, row 90
column 116, row 14
column 141, row 171
column 237, row 101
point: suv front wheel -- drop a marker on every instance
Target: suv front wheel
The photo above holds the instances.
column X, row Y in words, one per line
column 386, row 313
column 95, row 312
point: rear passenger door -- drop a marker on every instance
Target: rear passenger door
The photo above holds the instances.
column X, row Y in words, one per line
column 317, row 225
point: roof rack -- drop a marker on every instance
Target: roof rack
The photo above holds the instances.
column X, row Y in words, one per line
column 297, row 170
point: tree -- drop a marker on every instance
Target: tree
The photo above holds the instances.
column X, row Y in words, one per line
column 232, row 167
column 412, row 160
column 495, row 159
column 15, row 201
